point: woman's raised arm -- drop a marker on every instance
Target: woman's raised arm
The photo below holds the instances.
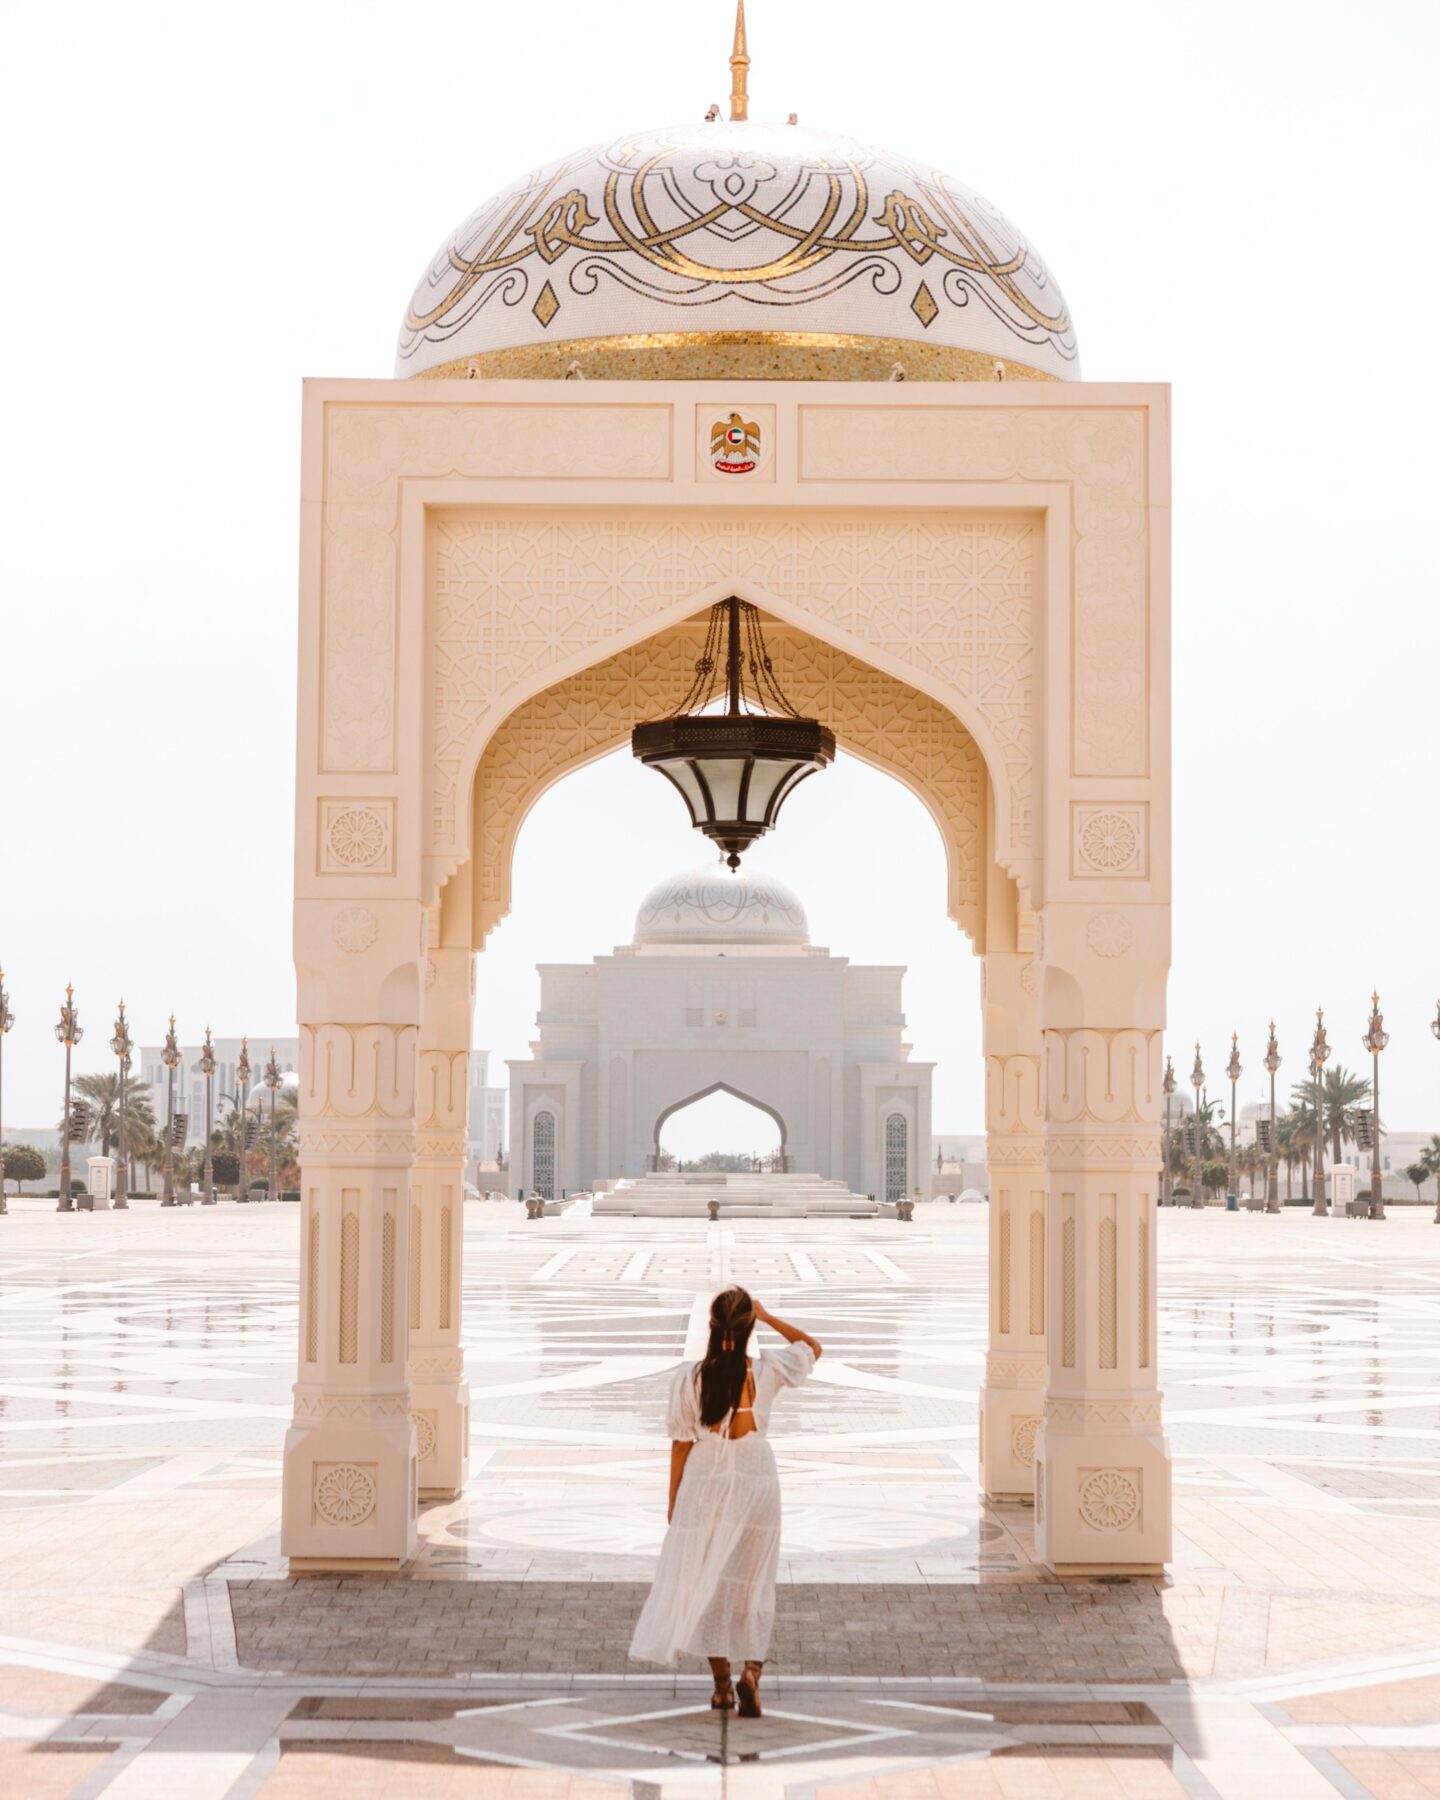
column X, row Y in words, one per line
column 792, row 1334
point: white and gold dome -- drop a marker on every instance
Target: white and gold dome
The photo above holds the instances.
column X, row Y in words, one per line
column 711, row 906
column 733, row 249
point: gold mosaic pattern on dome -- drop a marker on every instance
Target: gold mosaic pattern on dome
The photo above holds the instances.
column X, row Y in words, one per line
column 735, row 356
column 718, row 218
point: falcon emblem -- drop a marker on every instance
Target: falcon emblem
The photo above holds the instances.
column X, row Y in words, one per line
column 734, row 445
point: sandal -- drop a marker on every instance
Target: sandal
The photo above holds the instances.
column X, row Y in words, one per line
column 748, row 1691
column 723, row 1699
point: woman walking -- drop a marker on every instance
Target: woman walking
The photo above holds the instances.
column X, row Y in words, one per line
column 714, row 1592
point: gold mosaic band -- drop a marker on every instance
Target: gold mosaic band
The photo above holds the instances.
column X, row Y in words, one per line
column 735, row 356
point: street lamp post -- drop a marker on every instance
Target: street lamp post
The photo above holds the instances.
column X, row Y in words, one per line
column 1234, row 1071
column 122, row 1046
column 1167, row 1190
column 242, row 1123
column 1272, row 1165
column 7, row 1019
column 1375, row 1039
column 1197, row 1081
column 207, row 1069
column 1319, row 1056
column 272, row 1081
column 69, row 1031
column 170, row 1056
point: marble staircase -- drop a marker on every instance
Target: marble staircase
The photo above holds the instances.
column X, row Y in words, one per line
column 795, row 1196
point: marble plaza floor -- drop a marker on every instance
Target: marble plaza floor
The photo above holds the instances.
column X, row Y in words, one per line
column 152, row 1644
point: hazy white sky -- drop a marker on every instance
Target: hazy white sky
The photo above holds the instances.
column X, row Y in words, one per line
column 204, row 205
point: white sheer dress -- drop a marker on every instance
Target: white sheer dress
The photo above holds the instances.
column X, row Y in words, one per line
column 714, row 1592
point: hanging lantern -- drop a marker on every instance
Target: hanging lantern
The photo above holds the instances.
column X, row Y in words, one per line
column 734, row 769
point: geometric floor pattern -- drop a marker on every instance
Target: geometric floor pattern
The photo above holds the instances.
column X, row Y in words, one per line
column 152, row 1644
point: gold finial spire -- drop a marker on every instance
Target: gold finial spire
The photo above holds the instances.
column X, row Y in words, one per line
column 739, row 67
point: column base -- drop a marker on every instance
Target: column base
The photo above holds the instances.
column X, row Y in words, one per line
column 1010, row 1419
column 350, row 1484
column 1102, row 1498
column 441, row 1410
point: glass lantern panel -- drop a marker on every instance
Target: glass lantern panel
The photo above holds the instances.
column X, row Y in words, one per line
column 722, row 777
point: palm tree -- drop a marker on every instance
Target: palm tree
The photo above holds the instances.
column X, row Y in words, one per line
column 99, row 1096
column 1342, row 1093
column 143, row 1140
column 1294, row 1141
column 1251, row 1160
column 1417, row 1173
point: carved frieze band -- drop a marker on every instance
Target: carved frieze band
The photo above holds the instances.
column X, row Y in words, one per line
column 1022, row 1152
column 1137, row 1155
column 442, row 1090
column 1014, row 1371
column 351, row 1407
column 357, row 1146
column 1012, row 1095
column 1136, row 1412
column 445, row 1150
column 355, row 1072
column 1106, row 1077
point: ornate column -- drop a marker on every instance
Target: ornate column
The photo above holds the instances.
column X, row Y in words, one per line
column 1013, row 1397
column 1102, row 1493
column 441, row 1394
column 350, row 1466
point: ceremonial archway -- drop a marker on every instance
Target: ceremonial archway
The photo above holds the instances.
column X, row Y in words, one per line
column 495, row 590
column 720, row 1087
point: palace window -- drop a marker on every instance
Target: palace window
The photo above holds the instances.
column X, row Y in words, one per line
column 896, row 1157
column 542, row 1159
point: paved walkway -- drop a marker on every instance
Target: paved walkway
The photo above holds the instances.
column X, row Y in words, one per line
column 151, row 1643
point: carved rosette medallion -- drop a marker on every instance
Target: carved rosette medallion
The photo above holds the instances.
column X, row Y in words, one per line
column 1109, row 840
column 344, row 1493
column 1110, row 1499
column 1109, row 934
column 1022, row 1441
column 425, row 1438
column 354, row 929
column 356, row 837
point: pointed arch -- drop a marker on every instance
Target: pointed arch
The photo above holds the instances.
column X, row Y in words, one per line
column 721, row 1087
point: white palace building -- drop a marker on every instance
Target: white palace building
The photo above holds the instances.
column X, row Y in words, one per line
column 721, row 990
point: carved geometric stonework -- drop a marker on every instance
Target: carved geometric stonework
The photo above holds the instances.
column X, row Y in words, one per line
column 878, row 718
column 1109, row 841
column 1109, row 1498
column 1022, row 1440
column 344, row 1493
column 354, row 929
column 425, row 1435
column 952, row 598
column 1109, row 934
column 357, row 837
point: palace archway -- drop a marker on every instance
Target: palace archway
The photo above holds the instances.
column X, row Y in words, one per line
column 970, row 585
column 719, row 1087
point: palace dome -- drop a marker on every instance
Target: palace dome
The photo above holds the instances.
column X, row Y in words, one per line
column 711, row 906
column 733, row 250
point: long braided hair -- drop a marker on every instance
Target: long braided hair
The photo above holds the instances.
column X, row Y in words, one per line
column 721, row 1376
